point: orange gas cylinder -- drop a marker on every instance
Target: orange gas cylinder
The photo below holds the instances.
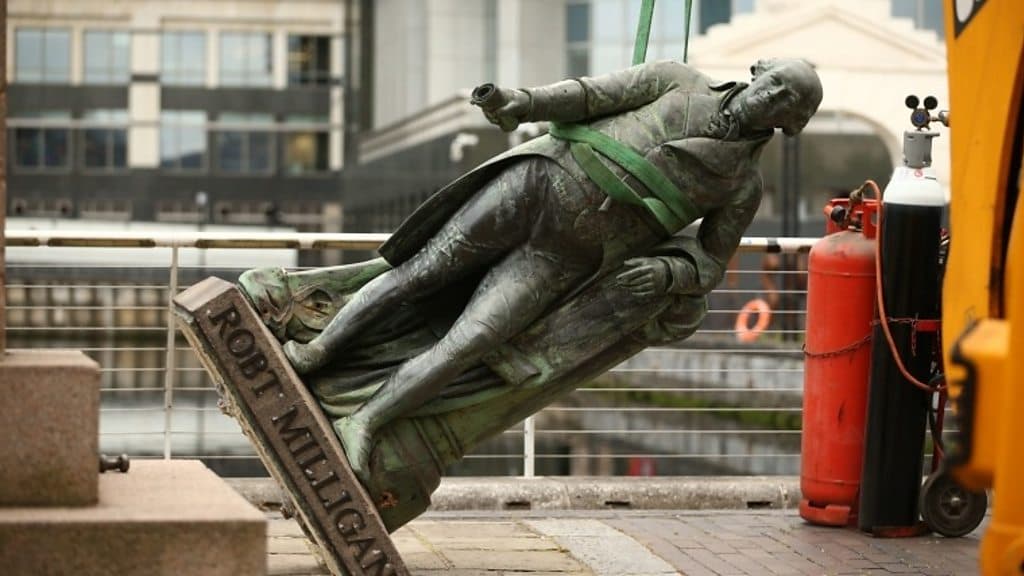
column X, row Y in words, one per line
column 840, row 310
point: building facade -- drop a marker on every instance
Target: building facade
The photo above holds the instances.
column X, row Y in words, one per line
column 225, row 112
column 427, row 54
column 234, row 112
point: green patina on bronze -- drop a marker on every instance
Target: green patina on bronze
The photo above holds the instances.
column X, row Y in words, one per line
column 524, row 278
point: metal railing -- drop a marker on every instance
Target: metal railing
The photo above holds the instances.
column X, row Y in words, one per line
column 709, row 405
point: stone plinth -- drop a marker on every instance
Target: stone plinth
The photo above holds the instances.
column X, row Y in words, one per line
column 161, row 518
column 50, row 401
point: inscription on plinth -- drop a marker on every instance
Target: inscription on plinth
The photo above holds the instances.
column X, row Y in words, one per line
column 291, row 434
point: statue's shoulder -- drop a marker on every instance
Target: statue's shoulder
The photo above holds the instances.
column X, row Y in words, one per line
column 685, row 78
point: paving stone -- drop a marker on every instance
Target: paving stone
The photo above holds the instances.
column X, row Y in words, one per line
column 602, row 548
column 279, row 526
column 551, row 561
column 715, row 563
column 293, row 565
column 288, row 545
column 773, row 543
column 463, row 529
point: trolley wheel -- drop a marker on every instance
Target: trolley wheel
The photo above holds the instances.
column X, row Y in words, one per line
column 950, row 509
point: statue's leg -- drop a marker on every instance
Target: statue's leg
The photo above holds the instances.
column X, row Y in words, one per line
column 487, row 227
column 511, row 297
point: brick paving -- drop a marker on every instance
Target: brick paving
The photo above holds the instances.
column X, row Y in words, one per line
column 462, row 547
column 635, row 543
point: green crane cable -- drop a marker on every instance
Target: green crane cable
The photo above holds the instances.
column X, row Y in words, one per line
column 686, row 29
column 643, row 32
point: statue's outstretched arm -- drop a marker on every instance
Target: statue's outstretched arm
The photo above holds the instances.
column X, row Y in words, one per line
column 700, row 263
column 580, row 99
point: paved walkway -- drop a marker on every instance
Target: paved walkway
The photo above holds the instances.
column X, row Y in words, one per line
column 637, row 543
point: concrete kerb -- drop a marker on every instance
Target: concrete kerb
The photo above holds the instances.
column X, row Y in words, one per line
column 585, row 493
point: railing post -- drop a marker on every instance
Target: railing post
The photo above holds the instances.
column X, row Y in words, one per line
column 169, row 364
column 528, row 447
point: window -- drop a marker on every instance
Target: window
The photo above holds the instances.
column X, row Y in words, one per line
column 183, row 58
column 305, row 148
column 713, row 12
column 577, row 35
column 926, row 14
column 490, row 67
column 106, row 57
column 309, row 60
column 45, row 146
column 42, row 55
column 105, row 140
column 245, row 59
column 183, row 140
column 242, row 148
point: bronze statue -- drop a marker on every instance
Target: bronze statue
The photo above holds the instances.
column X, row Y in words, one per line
column 536, row 271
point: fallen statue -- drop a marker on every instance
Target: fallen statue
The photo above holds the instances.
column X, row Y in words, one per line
column 538, row 270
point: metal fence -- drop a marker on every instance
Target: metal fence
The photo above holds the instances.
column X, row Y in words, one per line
column 710, row 405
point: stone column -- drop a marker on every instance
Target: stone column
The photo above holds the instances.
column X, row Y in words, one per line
column 337, row 115
column 144, row 93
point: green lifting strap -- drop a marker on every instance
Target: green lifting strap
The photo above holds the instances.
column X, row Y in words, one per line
column 618, row 190
column 643, row 32
column 637, row 166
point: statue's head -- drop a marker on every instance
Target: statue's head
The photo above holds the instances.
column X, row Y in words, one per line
column 784, row 93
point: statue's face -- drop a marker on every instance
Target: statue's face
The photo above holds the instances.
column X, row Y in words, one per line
column 783, row 94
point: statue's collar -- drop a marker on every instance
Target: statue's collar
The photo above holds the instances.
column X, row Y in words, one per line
column 733, row 132
column 731, row 89
column 724, row 125
column 724, row 86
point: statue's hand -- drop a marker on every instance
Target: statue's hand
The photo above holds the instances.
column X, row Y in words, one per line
column 513, row 110
column 645, row 277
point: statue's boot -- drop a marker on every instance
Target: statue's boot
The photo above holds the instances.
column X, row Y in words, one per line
column 304, row 357
column 299, row 305
column 357, row 439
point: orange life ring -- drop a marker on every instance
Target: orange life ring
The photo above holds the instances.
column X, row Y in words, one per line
column 744, row 332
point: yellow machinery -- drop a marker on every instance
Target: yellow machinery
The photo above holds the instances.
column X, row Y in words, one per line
column 983, row 292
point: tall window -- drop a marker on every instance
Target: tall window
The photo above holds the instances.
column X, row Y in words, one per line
column 183, row 140
column 45, row 146
column 245, row 59
column 183, row 58
column 490, row 68
column 105, row 139
column 42, row 55
column 306, row 144
column 107, row 57
column 245, row 144
column 711, row 13
column 309, row 60
column 926, row 14
column 577, row 35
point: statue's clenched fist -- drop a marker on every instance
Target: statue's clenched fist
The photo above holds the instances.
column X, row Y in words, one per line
column 503, row 107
